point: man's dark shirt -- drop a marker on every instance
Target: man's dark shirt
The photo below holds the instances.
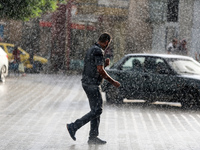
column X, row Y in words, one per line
column 94, row 57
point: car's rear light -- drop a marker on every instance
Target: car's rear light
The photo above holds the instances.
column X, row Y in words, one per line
column 7, row 56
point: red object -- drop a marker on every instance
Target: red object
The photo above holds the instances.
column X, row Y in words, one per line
column 45, row 24
column 77, row 26
column 16, row 54
column 82, row 27
column 92, row 28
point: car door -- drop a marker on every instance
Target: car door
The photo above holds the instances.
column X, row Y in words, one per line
column 161, row 83
column 169, row 84
column 149, row 79
column 130, row 77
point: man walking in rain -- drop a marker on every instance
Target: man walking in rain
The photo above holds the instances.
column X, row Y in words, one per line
column 92, row 76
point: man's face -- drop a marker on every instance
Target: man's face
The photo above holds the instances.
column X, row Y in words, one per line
column 106, row 45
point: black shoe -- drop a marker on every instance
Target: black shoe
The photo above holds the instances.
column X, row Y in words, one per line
column 71, row 131
column 95, row 140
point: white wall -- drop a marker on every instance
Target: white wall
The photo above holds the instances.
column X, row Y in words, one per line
column 115, row 3
column 195, row 42
column 158, row 43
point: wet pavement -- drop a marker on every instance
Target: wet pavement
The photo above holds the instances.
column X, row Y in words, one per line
column 34, row 111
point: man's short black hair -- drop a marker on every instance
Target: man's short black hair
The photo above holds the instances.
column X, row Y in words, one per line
column 105, row 37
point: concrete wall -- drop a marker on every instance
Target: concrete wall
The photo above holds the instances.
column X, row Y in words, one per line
column 139, row 35
column 186, row 10
column 119, row 40
column 45, row 42
column 195, row 39
column 158, row 38
column 13, row 32
column 116, row 26
column 187, row 28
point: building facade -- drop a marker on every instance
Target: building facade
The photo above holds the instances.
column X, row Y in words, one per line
column 96, row 17
column 175, row 19
column 136, row 26
column 139, row 36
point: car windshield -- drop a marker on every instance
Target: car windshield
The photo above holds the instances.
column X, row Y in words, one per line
column 185, row 66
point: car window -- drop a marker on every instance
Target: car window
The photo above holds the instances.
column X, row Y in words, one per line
column 161, row 67
column 10, row 49
column 150, row 64
column 155, row 65
column 133, row 63
column 2, row 47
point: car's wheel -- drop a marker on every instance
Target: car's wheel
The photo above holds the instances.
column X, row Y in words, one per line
column 190, row 98
column 113, row 95
column 3, row 74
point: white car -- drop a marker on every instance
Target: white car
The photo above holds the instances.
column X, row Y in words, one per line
column 3, row 65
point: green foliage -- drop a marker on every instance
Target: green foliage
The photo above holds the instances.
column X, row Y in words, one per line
column 26, row 9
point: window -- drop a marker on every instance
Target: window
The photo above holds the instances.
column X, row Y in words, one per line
column 155, row 65
column 172, row 12
column 150, row 64
column 1, row 30
column 133, row 63
column 10, row 49
column 161, row 67
column 2, row 47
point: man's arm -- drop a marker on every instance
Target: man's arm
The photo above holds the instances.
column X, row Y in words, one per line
column 104, row 75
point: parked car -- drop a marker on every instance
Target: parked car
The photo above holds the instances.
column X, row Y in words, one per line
column 3, row 65
column 24, row 56
column 155, row 77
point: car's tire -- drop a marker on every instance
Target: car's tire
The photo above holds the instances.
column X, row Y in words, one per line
column 3, row 74
column 190, row 98
column 113, row 95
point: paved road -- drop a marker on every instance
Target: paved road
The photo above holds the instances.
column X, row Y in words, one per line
column 35, row 109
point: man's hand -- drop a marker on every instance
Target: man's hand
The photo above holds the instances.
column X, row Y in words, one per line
column 104, row 75
column 107, row 62
column 116, row 84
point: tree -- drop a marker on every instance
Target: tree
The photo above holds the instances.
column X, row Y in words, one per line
column 26, row 9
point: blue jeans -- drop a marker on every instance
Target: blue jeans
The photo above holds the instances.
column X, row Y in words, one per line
column 95, row 100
